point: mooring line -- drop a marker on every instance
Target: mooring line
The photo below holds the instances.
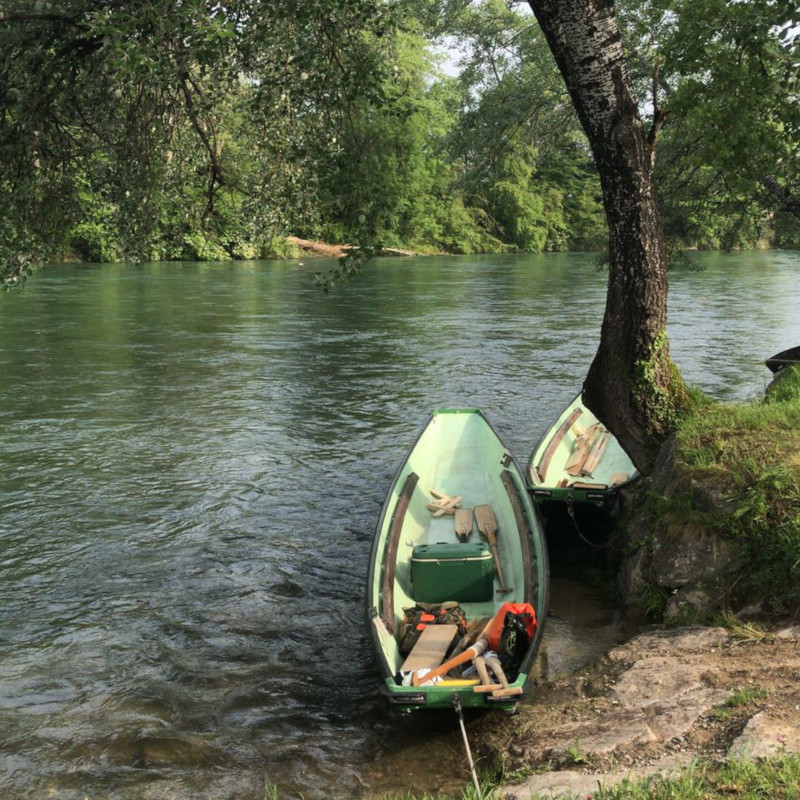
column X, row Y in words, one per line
column 571, row 512
column 460, row 713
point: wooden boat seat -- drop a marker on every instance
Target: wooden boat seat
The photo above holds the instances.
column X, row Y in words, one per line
column 431, row 647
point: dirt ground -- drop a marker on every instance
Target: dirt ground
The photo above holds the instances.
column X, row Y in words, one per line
column 655, row 704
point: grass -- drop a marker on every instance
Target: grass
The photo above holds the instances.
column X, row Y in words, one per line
column 575, row 755
column 743, row 630
column 743, row 697
column 750, row 455
column 774, row 779
column 739, row 699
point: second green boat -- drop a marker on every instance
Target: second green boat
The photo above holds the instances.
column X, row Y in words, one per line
column 578, row 461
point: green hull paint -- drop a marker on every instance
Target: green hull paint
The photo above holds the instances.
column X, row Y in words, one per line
column 458, row 453
column 614, row 462
column 438, row 698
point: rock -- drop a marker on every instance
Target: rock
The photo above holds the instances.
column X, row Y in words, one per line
column 689, row 605
column 555, row 784
column 789, row 633
column 684, row 640
column 634, row 573
column 766, row 736
column 672, row 720
column 596, row 737
column 570, row 783
column 689, row 554
column 710, row 498
column 658, row 699
column 657, row 680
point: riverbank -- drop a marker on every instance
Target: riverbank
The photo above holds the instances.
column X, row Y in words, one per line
column 664, row 701
column 713, row 534
column 717, row 524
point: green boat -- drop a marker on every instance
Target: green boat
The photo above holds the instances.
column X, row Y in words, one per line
column 419, row 558
column 578, row 461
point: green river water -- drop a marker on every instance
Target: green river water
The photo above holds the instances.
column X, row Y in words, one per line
column 192, row 460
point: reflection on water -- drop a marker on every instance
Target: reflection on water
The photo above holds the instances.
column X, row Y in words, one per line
column 193, row 458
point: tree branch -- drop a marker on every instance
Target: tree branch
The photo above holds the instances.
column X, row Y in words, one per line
column 789, row 202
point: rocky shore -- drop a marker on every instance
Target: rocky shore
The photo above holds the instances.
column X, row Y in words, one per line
column 664, row 700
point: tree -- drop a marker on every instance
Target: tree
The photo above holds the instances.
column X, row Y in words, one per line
column 118, row 104
column 632, row 384
column 727, row 81
column 525, row 159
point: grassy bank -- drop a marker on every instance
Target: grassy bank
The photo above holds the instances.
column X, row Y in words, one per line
column 735, row 471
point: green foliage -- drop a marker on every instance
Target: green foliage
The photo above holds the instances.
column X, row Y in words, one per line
column 207, row 130
column 786, row 388
column 728, row 81
column 653, row 601
column 575, row 755
column 177, row 124
column 667, row 399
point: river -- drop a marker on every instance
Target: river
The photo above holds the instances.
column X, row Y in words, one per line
column 192, row 460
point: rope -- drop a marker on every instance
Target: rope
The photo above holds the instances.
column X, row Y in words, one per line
column 571, row 512
column 457, row 707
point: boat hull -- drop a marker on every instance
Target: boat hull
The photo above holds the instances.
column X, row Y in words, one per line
column 456, row 453
column 783, row 359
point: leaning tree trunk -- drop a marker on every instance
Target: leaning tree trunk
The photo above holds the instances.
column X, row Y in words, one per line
column 632, row 385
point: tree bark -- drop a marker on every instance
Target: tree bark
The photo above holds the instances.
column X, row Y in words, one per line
column 632, row 385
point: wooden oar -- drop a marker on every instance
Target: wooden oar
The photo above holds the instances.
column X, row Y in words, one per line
column 487, row 525
column 463, row 524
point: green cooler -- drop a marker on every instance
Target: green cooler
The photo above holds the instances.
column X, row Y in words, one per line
column 463, row 572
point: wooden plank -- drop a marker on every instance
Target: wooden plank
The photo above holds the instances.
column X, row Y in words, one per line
column 512, row 691
column 591, row 434
column 431, row 647
column 617, row 478
column 575, row 462
column 596, row 454
column 395, row 529
column 547, row 457
column 582, row 485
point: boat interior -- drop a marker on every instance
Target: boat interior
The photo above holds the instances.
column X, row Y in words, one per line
column 579, row 453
